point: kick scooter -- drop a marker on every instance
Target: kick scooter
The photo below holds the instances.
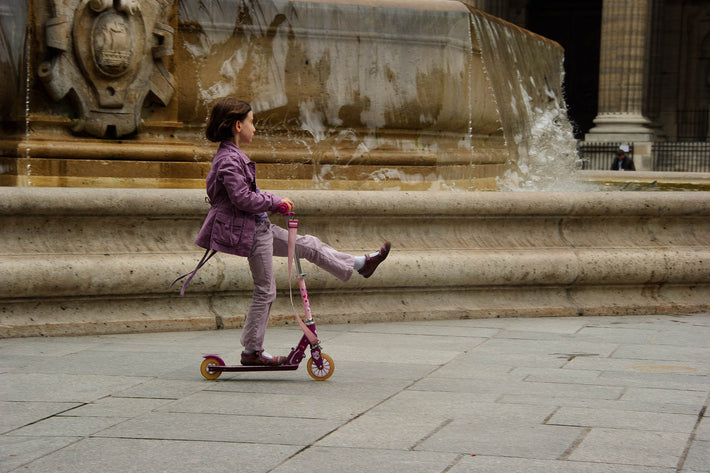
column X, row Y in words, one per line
column 320, row 365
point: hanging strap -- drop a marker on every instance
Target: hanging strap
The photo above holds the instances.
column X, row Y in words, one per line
column 205, row 258
column 292, row 226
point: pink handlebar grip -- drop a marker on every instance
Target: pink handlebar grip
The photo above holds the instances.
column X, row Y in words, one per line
column 283, row 209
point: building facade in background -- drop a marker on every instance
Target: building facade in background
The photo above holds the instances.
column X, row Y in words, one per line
column 636, row 70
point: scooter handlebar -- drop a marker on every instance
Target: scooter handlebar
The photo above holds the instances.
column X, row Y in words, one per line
column 283, row 209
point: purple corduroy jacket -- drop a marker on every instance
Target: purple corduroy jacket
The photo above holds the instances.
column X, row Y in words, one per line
column 235, row 202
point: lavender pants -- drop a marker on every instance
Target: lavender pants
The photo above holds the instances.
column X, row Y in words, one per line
column 269, row 241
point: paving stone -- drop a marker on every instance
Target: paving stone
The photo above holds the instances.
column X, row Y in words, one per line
column 519, row 387
column 572, row 395
column 131, row 455
column 640, row 365
column 278, row 405
column 510, row 440
column 156, row 388
column 697, row 337
column 115, row 363
column 366, row 460
column 61, row 387
column 603, row 404
column 533, row 335
column 675, row 396
column 18, row 451
column 223, row 428
column 492, row 464
column 419, row 349
column 117, row 407
column 661, row 379
column 703, row 430
column 65, row 426
column 555, row 347
column 617, row 335
column 18, row 413
column 463, row 367
column 47, row 346
column 370, row 372
column 456, row 405
column 680, row 352
column 446, row 328
column 556, row 375
column 385, row 430
column 619, row 419
column 698, row 458
column 551, row 325
column 631, row 447
column 480, row 358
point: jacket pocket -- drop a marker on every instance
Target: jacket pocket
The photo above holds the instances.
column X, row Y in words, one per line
column 227, row 230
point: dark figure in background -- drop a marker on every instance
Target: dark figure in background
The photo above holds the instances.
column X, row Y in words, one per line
column 623, row 161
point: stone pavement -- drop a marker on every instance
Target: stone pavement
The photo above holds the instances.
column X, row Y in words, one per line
column 584, row 394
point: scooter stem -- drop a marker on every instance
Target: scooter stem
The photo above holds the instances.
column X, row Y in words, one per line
column 292, row 225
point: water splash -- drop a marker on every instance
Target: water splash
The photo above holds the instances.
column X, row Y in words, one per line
column 312, row 121
column 28, row 74
column 539, row 136
column 28, row 71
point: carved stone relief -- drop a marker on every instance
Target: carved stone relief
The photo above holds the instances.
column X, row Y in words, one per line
column 107, row 56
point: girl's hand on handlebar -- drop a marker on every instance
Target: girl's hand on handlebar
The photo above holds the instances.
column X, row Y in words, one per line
column 285, row 206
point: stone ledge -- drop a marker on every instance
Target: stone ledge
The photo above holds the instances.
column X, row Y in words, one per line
column 78, row 261
column 140, row 274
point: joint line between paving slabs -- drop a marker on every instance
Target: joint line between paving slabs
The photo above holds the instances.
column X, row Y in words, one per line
column 430, row 434
column 691, row 438
column 580, row 438
column 56, row 414
column 554, row 411
column 454, row 463
column 355, row 418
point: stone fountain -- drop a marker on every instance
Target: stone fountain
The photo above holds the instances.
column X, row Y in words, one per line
column 379, row 119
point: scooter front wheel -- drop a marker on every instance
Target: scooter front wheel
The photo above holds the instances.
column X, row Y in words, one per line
column 321, row 374
column 206, row 372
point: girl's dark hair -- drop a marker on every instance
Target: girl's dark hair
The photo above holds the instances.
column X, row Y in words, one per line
column 225, row 114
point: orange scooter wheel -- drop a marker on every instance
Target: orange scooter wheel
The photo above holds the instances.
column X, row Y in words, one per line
column 321, row 374
column 205, row 368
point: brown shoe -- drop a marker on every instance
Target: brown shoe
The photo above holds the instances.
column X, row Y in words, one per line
column 258, row 359
column 373, row 260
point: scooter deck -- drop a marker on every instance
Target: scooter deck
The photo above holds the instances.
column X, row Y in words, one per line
column 234, row 368
column 213, row 366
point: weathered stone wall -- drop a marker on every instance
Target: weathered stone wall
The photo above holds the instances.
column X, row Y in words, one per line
column 79, row 261
column 354, row 95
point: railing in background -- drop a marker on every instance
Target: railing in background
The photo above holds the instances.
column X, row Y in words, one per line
column 670, row 156
column 599, row 156
column 681, row 156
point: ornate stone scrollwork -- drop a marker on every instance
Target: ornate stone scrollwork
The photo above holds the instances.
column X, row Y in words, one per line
column 108, row 56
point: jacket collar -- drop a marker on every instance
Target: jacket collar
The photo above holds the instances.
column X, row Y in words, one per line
column 227, row 146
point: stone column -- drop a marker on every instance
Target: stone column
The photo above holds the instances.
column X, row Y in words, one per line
column 623, row 72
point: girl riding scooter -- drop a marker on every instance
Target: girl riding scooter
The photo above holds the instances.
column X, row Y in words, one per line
column 238, row 224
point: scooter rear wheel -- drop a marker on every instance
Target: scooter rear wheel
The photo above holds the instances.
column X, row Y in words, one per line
column 204, row 368
column 321, row 374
